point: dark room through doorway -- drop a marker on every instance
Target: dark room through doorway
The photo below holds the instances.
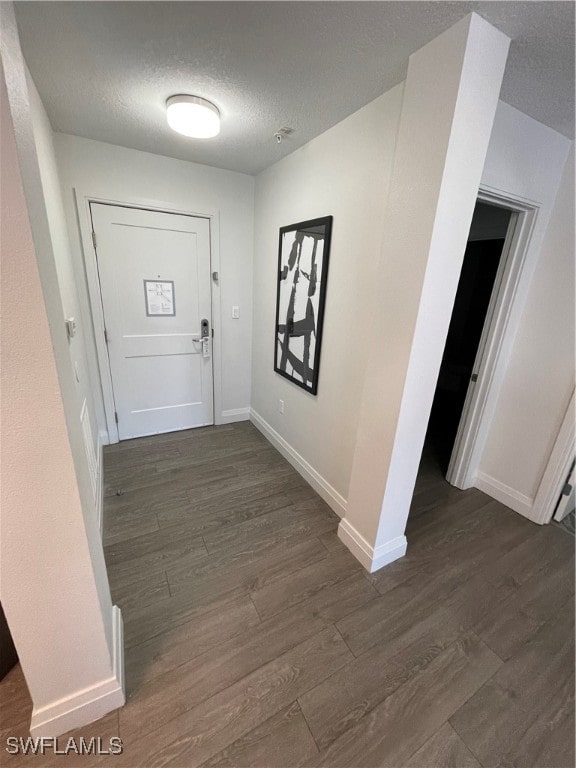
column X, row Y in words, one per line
column 476, row 286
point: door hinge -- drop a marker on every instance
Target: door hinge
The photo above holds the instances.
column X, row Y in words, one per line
column 212, row 332
column 567, row 490
column 105, row 335
column 94, row 239
column 116, row 417
column 474, row 377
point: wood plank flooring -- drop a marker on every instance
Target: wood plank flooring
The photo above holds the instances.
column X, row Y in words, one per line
column 255, row 640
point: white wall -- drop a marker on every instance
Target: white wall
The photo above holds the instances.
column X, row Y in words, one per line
column 450, row 100
column 344, row 172
column 54, row 585
column 540, row 375
column 69, row 298
column 123, row 175
column 76, row 385
column 526, row 160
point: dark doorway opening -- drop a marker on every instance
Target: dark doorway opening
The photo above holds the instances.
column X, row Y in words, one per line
column 475, row 287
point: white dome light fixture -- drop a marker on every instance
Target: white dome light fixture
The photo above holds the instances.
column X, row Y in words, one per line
column 193, row 116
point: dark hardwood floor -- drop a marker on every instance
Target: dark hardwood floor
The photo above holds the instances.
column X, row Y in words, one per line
column 254, row 638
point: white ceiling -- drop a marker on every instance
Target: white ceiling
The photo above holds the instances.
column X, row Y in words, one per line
column 105, row 69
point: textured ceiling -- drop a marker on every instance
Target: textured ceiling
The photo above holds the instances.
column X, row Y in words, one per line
column 105, row 69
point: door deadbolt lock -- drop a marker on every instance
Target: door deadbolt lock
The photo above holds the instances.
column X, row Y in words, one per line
column 205, row 337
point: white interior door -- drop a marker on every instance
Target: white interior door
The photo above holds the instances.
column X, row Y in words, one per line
column 154, row 271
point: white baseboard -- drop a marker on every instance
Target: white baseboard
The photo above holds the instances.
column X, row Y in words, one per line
column 100, row 485
column 330, row 495
column 371, row 558
column 89, row 704
column 235, row 414
column 517, row 501
column 118, row 650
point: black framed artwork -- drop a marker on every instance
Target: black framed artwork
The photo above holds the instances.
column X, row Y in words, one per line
column 303, row 255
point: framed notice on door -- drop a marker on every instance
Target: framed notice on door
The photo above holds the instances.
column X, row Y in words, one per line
column 159, row 297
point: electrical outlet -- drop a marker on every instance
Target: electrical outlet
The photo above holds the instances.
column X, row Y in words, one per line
column 281, row 406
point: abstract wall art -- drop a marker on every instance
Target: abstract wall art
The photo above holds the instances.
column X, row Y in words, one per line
column 302, row 275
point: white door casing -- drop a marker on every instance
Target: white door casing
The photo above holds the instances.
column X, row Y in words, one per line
column 558, row 467
column 154, row 273
column 496, row 341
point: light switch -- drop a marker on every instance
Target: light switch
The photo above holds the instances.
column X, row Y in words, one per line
column 235, row 312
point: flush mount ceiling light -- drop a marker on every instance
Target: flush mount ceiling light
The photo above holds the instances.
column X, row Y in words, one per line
column 193, row 116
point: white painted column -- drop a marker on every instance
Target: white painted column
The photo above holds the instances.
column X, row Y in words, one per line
column 54, row 587
column 450, row 98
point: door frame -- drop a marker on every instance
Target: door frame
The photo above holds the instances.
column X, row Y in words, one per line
column 83, row 201
column 557, row 468
column 496, row 341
